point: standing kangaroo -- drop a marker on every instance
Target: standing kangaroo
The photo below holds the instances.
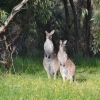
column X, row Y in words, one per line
column 48, row 45
column 50, row 61
column 67, row 67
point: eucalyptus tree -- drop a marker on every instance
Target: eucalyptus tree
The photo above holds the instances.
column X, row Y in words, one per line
column 32, row 14
column 4, row 23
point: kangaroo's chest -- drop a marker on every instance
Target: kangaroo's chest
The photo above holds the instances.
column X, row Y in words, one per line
column 48, row 47
column 63, row 71
column 62, row 57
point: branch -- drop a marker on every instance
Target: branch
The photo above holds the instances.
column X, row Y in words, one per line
column 57, row 19
column 15, row 38
column 3, row 62
column 14, row 11
column 6, row 63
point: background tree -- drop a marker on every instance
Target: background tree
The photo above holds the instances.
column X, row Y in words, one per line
column 72, row 20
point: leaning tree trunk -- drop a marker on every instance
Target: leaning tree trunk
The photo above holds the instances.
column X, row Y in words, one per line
column 16, row 9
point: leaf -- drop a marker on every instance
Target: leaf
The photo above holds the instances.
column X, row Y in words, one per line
column 33, row 31
column 3, row 15
column 86, row 11
column 92, row 19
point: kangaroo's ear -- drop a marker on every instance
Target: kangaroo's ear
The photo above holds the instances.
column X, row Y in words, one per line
column 52, row 32
column 46, row 32
column 65, row 42
column 60, row 42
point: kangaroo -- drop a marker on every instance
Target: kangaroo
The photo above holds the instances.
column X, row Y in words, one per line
column 67, row 67
column 48, row 45
column 62, row 56
column 50, row 61
column 51, row 65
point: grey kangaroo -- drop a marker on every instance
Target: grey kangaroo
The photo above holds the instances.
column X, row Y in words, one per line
column 67, row 67
column 48, row 45
column 50, row 61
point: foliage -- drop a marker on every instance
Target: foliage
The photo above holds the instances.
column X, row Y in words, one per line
column 41, row 10
column 96, row 14
column 96, row 27
column 96, row 41
column 3, row 15
column 84, row 12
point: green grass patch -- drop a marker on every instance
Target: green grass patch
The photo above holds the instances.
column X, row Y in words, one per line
column 30, row 82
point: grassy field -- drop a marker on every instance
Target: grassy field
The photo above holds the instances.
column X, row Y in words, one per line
column 30, row 82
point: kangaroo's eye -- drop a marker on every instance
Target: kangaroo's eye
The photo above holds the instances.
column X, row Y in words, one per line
column 49, row 57
column 45, row 55
column 64, row 65
column 60, row 64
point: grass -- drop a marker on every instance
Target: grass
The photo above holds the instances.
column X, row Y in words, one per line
column 30, row 81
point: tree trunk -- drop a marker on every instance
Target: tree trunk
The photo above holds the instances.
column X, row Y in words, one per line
column 66, row 36
column 75, row 25
column 79, row 24
column 86, row 29
column 65, row 2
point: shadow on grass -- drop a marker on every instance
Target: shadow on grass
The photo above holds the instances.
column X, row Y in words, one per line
column 94, row 71
column 83, row 71
column 81, row 79
column 90, row 71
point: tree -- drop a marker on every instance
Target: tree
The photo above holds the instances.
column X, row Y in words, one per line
column 82, row 37
column 36, row 14
column 86, row 28
column 75, row 25
column 2, row 28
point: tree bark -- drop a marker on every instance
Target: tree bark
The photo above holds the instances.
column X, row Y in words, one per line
column 75, row 24
column 65, row 2
column 67, row 26
column 86, row 29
